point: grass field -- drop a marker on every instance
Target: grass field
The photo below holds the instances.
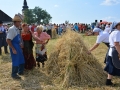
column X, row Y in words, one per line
column 37, row 79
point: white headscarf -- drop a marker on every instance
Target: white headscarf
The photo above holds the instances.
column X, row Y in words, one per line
column 113, row 25
column 97, row 30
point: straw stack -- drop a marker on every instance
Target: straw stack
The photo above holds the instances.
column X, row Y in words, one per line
column 70, row 65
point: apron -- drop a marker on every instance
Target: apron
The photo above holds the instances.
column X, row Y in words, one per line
column 107, row 44
column 3, row 39
column 115, row 58
column 18, row 58
column 41, row 53
column 113, row 63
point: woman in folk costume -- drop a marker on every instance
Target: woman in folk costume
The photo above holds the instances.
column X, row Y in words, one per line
column 84, row 28
column 54, row 32
column 113, row 61
column 68, row 27
column 49, row 31
column 64, row 28
column 41, row 52
column 26, row 35
column 3, row 39
column 15, row 44
column 59, row 30
column 102, row 36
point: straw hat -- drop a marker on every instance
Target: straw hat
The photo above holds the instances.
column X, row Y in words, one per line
column 17, row 18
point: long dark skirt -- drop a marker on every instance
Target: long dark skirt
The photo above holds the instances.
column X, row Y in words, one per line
column 110, row 68
column 49, row 32
column 30, row 62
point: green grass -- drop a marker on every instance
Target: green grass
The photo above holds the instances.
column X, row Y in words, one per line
column 37, row 79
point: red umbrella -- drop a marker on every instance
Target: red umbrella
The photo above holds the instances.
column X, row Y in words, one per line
column 103, row 22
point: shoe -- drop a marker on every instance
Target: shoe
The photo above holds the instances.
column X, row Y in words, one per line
column 43, row 64
column 109, row 83
column 38, row 64
column 6, row 53
column 21, row 74
column 16, row 77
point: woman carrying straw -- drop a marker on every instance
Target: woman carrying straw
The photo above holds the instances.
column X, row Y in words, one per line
column 101, row 37
column 41, row 52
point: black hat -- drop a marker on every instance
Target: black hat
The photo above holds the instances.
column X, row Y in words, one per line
column 1, row 22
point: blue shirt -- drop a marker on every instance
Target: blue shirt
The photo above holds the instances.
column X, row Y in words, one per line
column 2, row 29
column 76, row 27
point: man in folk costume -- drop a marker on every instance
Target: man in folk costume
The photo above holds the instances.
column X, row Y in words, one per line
column 3, row 39
column 113, row 59
column 15, row 44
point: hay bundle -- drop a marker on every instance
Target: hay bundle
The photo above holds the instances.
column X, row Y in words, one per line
column 54, row 33
column 70, row 65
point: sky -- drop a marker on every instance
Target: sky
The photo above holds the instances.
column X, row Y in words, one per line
column 82, row 11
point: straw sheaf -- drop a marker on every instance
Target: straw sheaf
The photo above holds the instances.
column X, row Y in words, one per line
column 70, row 65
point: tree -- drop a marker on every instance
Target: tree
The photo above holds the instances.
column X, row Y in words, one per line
column 41, row 14
column 29, row 16
column 37, row 15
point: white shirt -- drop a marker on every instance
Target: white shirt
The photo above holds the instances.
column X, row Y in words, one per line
column 103, row 37
column 114, row 37
column 45, row 27
column 107, row 30
column 12, row 32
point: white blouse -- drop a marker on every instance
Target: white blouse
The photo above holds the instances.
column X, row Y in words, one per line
column 114, row 37
column 103, row 37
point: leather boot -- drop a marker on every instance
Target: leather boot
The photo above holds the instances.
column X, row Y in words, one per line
column 0, row 51
column 5, row 49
